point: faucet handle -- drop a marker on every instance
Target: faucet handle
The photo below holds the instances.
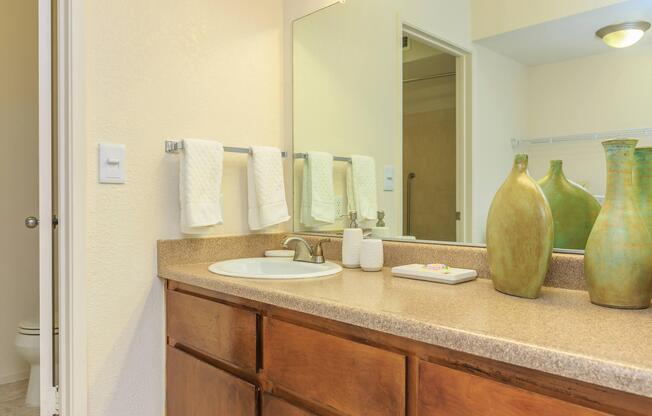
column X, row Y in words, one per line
column 318, row 251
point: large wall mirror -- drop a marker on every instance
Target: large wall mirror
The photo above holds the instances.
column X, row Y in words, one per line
column 416, row 133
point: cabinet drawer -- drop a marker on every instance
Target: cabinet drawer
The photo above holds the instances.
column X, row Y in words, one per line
column 199, row 389
column 273, row 406
column 447, row 392
column 218, row 330
column 350, row 377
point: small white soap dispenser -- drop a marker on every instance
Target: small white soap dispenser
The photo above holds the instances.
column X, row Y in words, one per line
column 351, row 243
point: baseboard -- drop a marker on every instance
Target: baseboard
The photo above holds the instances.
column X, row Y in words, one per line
column 12, row 378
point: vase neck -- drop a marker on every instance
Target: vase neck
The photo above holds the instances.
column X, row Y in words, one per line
column 520, row 163
column 556, row 172
column 620, row 165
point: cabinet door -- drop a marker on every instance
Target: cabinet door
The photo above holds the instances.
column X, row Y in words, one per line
column 447, row 392
column 195, row 388
column 273, row 406
column 218, row 330
column 352, row 378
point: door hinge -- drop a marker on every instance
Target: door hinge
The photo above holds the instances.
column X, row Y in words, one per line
column 53, row 401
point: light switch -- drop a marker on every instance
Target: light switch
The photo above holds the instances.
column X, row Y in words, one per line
column 112, row 163
column 388, row 178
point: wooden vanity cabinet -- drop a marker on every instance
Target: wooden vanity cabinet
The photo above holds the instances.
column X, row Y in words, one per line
column 221, row 331
column 199, row 389
column 273, row 406
column 236, row 357
column 447, row 392
column 340, row 374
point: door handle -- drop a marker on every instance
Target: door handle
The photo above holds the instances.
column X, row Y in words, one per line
column 31, row 222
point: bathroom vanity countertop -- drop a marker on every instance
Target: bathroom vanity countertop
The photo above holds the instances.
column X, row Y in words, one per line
column 560, row 333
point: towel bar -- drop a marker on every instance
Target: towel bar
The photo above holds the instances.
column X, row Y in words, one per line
column 335, row 158
column 174, row 146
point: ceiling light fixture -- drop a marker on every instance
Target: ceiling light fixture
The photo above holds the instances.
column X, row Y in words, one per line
column 623, row 35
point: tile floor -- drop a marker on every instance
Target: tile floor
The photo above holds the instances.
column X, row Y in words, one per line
column 12, row 400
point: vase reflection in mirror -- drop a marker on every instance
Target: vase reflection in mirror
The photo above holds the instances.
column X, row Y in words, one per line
column 618, row 257
column 643, row 183
column 519, row 234
column 574, row 210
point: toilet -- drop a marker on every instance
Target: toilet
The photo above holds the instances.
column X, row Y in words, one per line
column 27, row 346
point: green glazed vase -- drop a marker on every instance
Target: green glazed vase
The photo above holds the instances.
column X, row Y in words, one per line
column 618, row 256
column 519, row 234
column 574, row 210
column 643, row 183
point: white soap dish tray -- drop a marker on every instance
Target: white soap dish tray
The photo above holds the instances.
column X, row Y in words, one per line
column 449, row 276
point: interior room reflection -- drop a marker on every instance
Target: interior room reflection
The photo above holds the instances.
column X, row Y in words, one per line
column 440, row 142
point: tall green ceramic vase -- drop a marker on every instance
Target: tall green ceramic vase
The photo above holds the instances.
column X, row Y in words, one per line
column 618, row 257
column 643, row 183
column 574, row 210
column 519, row 234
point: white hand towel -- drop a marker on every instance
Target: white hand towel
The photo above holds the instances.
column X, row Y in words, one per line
column 200, row 183
column 266, row 188
column 362, row 180
column 350, row 195
column 317, row 196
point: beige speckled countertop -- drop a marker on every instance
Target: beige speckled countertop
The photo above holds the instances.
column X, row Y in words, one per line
column 560, row 333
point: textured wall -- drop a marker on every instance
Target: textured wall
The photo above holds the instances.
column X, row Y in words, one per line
column 157, row 69
column 18, row 177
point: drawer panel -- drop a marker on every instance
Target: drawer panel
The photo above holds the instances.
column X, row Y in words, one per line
column 218, row 330
column 447, row 392
column 344, row 375
column 273, row 406
column 199, row 389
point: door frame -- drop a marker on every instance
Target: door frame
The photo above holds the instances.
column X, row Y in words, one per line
column 72, row 173
column 463, row 123
column 48, row 396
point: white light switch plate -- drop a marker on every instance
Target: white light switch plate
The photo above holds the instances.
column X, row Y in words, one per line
column 112, row 163
column 388, row 178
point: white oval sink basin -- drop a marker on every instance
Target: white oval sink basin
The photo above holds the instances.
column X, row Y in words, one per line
column 273, row 268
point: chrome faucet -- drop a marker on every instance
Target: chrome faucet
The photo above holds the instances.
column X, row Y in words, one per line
column 303, row 251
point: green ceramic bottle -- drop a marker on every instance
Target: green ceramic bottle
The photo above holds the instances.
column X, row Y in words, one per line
column 519, row 234
column 643, row 183
column 618, row 257
column 574, row 210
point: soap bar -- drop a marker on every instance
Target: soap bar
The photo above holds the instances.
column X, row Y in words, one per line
column 450, row 275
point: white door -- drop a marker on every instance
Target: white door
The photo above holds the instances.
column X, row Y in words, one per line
column 48, row 391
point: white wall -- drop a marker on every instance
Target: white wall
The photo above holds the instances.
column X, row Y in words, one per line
column 359, row 87
column 499, row 114
column 346, row 99
column 18, row 177
column 491, row 17
column 610, row 91
column 157, row 69
column 599, row 93
column 593, row 94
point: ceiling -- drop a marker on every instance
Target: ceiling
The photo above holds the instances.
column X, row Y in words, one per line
column 569, row 37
